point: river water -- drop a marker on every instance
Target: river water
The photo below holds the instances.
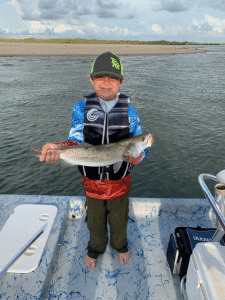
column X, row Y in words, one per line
column 179, row 98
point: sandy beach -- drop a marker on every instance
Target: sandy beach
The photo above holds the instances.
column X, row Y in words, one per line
column 45, row 49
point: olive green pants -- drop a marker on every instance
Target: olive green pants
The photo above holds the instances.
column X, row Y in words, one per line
column 98, row 211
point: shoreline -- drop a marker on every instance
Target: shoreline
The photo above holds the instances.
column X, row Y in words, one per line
column 11, row 49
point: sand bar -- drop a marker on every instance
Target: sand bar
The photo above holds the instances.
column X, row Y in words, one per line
column 45, row 49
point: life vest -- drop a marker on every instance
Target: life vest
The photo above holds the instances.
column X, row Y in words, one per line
column 102, row 128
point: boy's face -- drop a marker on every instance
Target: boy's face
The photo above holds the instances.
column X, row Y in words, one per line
column 106, row 86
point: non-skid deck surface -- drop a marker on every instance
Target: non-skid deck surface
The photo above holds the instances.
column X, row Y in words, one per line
column 147, row 274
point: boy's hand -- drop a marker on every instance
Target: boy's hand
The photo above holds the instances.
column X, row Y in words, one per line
column 49, row 153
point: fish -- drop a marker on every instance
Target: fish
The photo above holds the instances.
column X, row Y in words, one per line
column 101, row 155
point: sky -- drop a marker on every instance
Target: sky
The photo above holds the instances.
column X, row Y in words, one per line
column 147, row 20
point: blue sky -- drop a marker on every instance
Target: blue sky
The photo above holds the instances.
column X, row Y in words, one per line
column 147, row 20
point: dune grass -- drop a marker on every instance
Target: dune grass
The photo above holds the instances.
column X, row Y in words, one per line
column 95, row 41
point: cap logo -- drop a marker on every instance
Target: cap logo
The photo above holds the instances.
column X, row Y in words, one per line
column 115, row 63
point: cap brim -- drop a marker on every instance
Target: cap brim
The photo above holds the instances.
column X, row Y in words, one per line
column 106, row 73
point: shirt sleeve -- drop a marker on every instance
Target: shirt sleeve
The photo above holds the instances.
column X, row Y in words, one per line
column 77, row 124
column 135, row 127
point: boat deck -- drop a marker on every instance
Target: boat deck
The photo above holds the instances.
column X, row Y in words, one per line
column 62, row 274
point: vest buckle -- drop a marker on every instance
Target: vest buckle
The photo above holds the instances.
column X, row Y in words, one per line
column 104, row 172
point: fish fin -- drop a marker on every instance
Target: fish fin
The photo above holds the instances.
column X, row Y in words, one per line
column 84, row 145
column 117, row 166
column 81, row 145
column 36, row 150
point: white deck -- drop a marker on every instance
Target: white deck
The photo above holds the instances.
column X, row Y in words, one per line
column 62, row 273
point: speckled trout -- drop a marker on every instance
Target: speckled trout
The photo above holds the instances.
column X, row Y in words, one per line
column 101, row 155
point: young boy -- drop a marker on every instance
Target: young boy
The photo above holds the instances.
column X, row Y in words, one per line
column 104, row 117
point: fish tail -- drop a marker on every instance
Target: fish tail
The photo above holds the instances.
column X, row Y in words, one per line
column 36, row 151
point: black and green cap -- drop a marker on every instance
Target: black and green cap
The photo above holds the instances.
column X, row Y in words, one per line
column 107, row 64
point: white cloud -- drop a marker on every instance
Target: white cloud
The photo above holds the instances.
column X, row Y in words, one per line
column 156, row 28
column 218, row 26
column 63, row 28
column 7, row 30
column 169, row 29
column 209, row 25
column 38, row 26
column 106, row 30
column 54, row 27
column 92, row 26
column 196, row 23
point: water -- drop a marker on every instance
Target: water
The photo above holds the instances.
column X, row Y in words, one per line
column 179, row 98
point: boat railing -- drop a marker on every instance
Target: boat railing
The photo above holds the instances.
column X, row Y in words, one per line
column 218, row 206
column 220, row 198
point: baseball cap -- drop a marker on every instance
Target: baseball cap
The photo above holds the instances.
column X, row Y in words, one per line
column 107, row 64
